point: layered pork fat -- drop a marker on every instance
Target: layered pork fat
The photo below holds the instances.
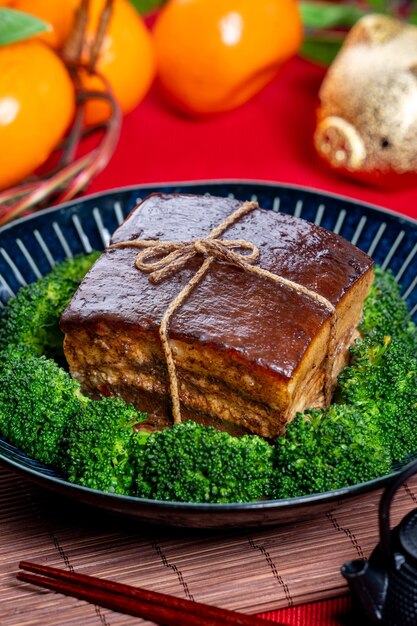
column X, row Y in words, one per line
column 249, row 353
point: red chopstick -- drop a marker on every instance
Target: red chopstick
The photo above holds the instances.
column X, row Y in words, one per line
column 157, row 607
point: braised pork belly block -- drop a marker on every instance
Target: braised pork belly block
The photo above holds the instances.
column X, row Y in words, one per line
column 249, row 352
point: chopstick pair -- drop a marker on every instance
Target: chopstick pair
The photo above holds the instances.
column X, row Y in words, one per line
column 157, row 607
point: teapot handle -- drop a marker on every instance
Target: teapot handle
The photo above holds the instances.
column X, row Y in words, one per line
column 385, row 505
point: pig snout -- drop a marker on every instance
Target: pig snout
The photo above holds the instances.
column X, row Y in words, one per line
column 339, row 143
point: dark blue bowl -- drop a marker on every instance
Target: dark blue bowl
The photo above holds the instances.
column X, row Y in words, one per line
column 30, row 246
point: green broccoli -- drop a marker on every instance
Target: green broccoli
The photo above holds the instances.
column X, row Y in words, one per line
column 44, row 413
column 194, row 463
column 42, row 409
column 100, row 444
column 31, row 319
column 360, row 381
column 382, row 374
column 327, row 449
column 37, row 401
column 385, row 312
column 382, row 378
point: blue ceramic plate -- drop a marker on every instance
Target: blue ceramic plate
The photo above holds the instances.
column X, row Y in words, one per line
column 29, row 248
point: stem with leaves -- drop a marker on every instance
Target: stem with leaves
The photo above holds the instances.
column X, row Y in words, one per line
column 326, row 23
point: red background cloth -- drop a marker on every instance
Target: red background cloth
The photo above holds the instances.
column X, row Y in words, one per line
column 267, row 139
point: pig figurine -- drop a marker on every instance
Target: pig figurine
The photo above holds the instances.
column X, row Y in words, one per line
column 367, row 117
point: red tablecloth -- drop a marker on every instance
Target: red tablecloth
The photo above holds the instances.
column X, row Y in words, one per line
column 268, row 139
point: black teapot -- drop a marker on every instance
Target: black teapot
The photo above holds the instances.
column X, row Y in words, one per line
column 384, row 589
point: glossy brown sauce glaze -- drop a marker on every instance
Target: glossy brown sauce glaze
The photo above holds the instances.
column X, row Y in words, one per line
column 267, row 324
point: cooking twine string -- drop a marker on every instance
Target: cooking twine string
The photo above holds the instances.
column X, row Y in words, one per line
column 163, row 259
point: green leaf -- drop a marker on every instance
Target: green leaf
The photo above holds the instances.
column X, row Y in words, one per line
column 16, row 25
column 321, row 50
column 326, row 15
column 145, row 6
column 379, row 6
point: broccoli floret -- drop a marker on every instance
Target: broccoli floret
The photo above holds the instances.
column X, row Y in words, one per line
column 385, row 312
column 382, row 374
column 382, row 378
column 44, row 414
column 31, row 319
column 327, row 449
column 100, row 444
column 42, row 409
column 194, row 463
column 360, row 382
column 37, row 401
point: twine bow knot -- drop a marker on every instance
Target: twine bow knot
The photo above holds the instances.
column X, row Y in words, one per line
column 163, row 259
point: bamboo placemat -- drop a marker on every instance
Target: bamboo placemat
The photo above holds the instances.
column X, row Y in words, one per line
column 251, row 571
